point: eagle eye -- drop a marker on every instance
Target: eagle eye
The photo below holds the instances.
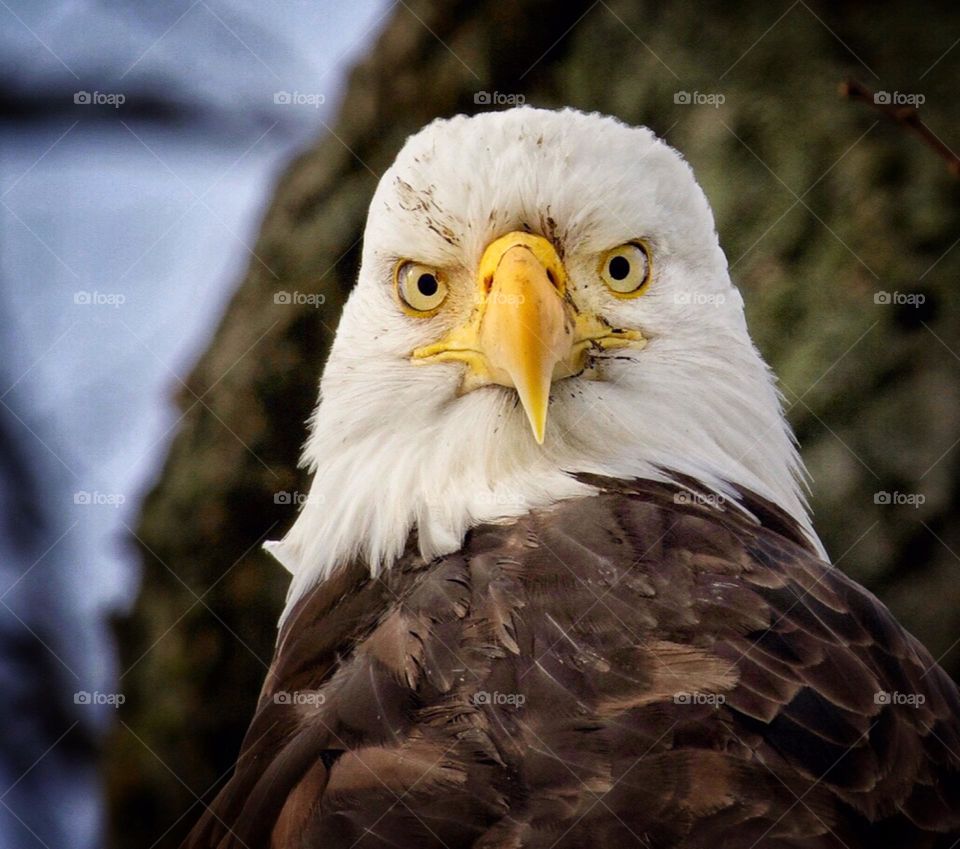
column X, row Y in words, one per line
column 420, row 288
column 626, row 270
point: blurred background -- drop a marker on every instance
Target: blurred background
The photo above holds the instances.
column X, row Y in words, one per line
column 182, row 193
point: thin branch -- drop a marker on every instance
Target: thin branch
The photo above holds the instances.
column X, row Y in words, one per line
column 906, row 116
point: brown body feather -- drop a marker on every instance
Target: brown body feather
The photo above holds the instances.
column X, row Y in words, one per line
column 622, row 670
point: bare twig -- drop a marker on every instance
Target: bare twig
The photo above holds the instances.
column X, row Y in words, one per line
column 906, row 116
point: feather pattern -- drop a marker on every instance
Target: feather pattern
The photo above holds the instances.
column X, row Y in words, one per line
column 626, row 669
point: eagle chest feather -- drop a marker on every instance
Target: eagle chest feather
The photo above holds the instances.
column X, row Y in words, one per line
column 627, row 669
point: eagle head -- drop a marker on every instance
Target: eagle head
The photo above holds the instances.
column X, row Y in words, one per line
column 542, row 293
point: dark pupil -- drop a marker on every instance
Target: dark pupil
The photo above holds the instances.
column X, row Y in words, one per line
column 427, row 285
column 619, row 267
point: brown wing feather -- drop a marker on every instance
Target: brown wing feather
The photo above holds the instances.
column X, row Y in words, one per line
column 620, row 670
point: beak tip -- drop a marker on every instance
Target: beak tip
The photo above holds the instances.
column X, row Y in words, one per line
column 535, row 404
column 538, row 426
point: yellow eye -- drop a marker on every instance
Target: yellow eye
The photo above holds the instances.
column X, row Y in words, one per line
column 420, row 288
column 626, row 270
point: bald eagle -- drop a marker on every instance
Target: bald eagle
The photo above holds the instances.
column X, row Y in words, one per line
column 556, row 584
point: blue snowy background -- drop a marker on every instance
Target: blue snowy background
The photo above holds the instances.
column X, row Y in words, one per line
column 138, row 147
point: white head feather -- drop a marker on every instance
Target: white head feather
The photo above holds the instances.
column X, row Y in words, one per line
column 394, row 446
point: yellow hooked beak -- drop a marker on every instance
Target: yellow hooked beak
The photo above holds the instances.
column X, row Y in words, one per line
column 524, row 331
